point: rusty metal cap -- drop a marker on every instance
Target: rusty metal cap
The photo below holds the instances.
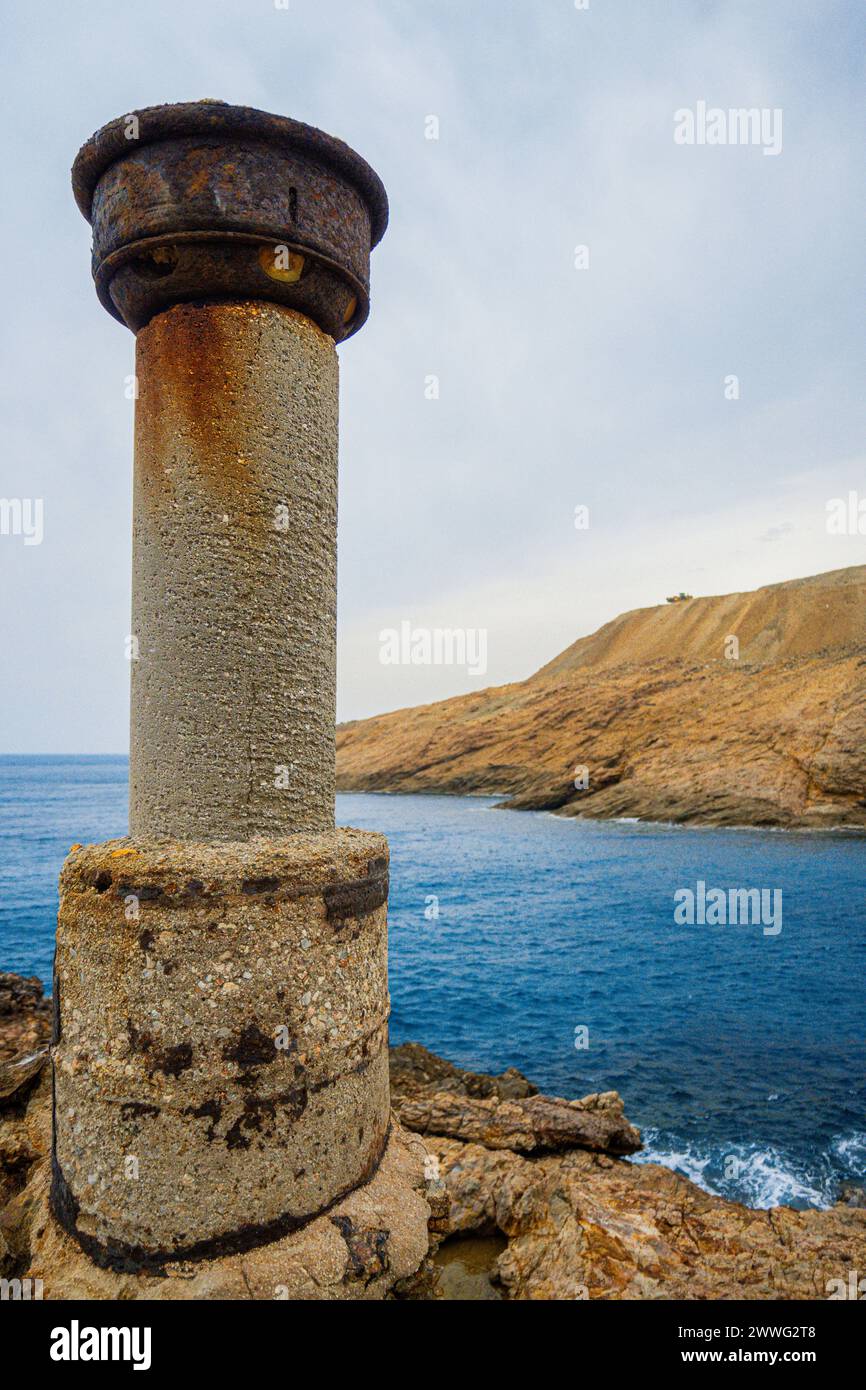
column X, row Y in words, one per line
column 202, row 200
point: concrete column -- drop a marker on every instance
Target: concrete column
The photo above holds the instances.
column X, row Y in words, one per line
column 221, row 995
column 234, row 574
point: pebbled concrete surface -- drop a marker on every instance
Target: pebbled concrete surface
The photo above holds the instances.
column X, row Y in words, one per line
column 234, row 574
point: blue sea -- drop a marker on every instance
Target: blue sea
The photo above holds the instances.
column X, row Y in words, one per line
column 516, row 936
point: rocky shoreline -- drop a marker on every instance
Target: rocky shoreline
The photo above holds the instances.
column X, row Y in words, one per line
column 530, row 1196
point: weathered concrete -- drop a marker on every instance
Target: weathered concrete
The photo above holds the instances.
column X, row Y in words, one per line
column 369, row 1245
column 234, row 574
column 221, row 1071
column 221, row 995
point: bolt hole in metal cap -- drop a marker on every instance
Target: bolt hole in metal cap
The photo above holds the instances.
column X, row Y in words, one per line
column 204, row 201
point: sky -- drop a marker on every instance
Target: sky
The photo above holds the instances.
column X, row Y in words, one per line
column 597, row 379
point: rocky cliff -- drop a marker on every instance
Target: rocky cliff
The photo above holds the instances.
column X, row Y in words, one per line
column 741, row 709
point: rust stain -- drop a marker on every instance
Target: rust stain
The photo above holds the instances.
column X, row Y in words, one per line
column 194, row 383
column 198, row 183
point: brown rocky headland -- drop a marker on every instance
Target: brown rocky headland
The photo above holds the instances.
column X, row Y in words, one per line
column 668, row 723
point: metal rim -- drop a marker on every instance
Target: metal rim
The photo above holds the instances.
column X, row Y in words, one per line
column 105, row 273
column 160, row 123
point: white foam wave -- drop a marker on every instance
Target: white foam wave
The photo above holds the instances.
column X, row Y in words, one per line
column 850, row 1150
column 757, row 1176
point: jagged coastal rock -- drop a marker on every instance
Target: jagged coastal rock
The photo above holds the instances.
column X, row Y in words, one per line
column 433, row 1097
column 535, row 1189
column 575, row 1224
column 669, row 724
column 25, row 1016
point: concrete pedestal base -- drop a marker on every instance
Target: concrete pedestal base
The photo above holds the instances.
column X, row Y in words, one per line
column 370, row 1245
column 220, row 1059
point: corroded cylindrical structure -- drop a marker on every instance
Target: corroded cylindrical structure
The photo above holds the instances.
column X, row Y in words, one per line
column 189, row 201
column 234, row 590
column 220, row 1058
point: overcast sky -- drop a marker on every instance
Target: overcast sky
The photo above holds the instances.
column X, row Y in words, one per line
column 559, row 387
